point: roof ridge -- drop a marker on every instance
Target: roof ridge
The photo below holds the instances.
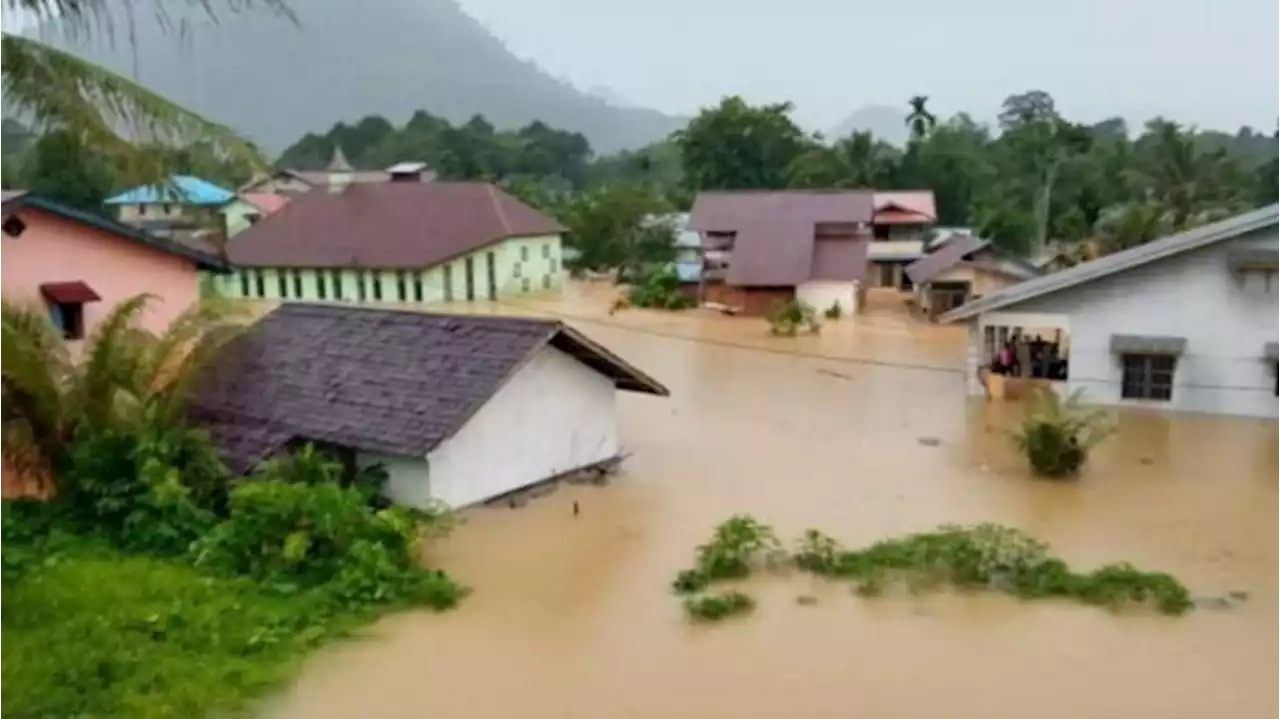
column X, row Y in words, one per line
column 497, row 207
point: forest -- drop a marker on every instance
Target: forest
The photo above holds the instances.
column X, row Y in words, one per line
column 1034, row 176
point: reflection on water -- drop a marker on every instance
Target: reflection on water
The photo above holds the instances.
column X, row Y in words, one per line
column 571, row 618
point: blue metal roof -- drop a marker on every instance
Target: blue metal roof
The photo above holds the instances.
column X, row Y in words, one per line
column 183, row 189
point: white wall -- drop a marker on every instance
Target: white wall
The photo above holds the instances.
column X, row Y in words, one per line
column 555, row 415
column 821, row 295
column 1194, row 295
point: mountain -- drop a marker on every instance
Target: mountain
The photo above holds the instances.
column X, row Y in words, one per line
column 274, row 81
column 610, row 97
column 885, row 123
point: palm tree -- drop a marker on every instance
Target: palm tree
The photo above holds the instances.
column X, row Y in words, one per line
column 920, row 120
column 110, row 113
column 122, row 374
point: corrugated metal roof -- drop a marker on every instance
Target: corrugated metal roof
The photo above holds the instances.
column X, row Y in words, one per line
column 182, row 189
column 954, row 251
column 775, row 230
column 1108, row 265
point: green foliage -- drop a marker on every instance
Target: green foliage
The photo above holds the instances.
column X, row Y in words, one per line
column 986, row 557
column 660, row 289
column 788, row 319
column 834, row 312
column 619, row 227
column 714, row 607
column 1057, row 434
column 735, row 146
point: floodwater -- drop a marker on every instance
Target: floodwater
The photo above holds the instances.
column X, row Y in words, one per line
column 572, row 617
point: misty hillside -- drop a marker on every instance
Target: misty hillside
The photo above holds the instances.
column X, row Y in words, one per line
column 885, row 123
column 275, row 81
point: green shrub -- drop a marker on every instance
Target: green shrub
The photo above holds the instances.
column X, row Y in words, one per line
column 834, row 312
column 714, row 607
column 1056, row 434
column 788, row 319
column 660, row 289
column 311, row 535
column 737, row 546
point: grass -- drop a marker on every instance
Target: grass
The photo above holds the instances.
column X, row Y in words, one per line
column 93, row 632
column 985, row 557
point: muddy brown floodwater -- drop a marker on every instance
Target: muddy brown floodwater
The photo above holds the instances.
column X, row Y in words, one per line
column 573, row 619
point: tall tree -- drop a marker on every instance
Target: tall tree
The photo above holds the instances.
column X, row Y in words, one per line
column 61, row 168
column 735, row 146
column 109, row 113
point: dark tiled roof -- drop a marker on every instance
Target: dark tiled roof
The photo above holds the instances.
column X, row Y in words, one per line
column 376, row 380
column 203, row 260
column 393, row 224
column 953, row 250
column 775, row 229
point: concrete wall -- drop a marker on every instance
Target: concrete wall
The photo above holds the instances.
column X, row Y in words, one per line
column 522, row 266
column 53, row 249
column 553, row 416
column 822, row 294
column 981, row 282
column 1226, row 322
column 131, row 214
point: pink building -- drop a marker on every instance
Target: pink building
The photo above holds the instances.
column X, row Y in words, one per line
column 79, row 265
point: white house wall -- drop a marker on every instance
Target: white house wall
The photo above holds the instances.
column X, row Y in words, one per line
column 821, row 295
column 1193, row 295
column 555, row 415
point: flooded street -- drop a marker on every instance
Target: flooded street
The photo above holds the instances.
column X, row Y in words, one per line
column 572, row 618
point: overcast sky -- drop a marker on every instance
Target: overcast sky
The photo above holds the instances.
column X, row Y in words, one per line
column 1211, row 63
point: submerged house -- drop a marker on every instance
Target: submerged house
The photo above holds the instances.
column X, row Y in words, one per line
column 900, row 231
column 458, row 409
column 763, row 248
column 79, row 265
column 178, row 207
column 247, row 208
column 403, row 241
column 960, row 269
column 1187, row 322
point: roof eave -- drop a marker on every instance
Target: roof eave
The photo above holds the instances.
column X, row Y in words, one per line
column 626, row 376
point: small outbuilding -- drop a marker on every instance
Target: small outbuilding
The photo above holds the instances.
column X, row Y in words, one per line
column 457, row 408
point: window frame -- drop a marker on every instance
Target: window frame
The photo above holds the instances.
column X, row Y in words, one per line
column 259, row 283
column 244, row 282
column 297, row 283
column 282, row 284
column 418, row 292
column 1147, row 377
column 322, row 289
column 377, row 285
column 402, row 286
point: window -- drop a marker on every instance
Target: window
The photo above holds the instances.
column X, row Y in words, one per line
column 337, row 284
column 362, row 293
column 402, row 292
column 448, row 283
column 546, row 282
column 492, row 271
column 546, row 251
column 14, row 226
column 252, row 218
column 282, row 284
column 1147, row 377
column 244, row 282
column 142, row 210
column 297, row 283
column 470, row 280
column 166, row 208
column 69, row 318
column 524, row 284
column 322, row 292
column 881, row 232
column 417, row 286
column 515, row 270
column 524, row 253
column 377, row 285
column 259, row 283
column 554, row 266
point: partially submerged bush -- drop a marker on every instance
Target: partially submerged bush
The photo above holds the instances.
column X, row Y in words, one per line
column 714, row 607
column 790, row 318
column 834, row 312
column 660, row 289
column 1057, row 434
column 986, row 557
column 738, row 545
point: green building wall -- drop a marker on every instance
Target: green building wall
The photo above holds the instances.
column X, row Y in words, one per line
column 521, row 266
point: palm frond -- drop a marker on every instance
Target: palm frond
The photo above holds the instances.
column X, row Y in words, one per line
column 186, row 348
column 35, row 368
column 110, row 113
column 114, row 356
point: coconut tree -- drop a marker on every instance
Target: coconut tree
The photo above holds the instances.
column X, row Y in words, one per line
column 108, row 112
column 123, row 374
column 920, row 120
